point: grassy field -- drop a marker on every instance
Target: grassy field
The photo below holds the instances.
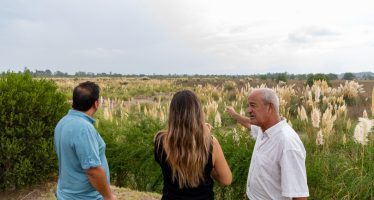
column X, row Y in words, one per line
column 46, row 191
column 332, row 122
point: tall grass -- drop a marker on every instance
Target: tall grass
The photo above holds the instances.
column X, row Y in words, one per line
column 131, row 157
column 337, row 168
column 344, row 171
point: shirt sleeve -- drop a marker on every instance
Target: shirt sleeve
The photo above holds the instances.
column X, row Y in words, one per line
column 87, row 148
column 293, row 174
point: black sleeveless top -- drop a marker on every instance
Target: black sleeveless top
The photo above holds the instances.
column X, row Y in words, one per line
column 171, row 190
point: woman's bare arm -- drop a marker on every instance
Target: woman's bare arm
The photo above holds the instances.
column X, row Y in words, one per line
column 221, row 171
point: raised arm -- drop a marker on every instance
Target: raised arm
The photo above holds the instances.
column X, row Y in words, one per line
column 221, row 171
column 243, row 120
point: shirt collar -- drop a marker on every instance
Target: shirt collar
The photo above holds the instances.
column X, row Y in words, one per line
column 82, row 115
column 270, row 131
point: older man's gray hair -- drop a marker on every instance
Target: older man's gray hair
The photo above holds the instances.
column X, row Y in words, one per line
column 269, row 96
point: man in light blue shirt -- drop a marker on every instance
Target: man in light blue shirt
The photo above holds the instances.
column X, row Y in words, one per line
column 83, row 167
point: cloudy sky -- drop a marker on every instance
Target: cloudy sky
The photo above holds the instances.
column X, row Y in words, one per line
column 187, row 36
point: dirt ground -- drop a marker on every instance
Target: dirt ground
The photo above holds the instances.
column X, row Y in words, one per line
column 46, row 192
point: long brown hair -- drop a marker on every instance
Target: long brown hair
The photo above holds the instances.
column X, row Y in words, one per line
column 187, row 140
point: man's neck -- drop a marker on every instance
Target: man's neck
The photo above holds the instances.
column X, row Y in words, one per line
column 272, row 121
column 90, row 112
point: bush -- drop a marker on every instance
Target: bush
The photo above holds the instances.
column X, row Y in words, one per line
column 131, row 158
column 229, row 86
column 315, row 77
column 281, row 77
column 348, row 76
column 129, row 150
column 29, row 112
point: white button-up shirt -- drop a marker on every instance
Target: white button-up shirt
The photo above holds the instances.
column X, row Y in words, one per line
column 277, row 169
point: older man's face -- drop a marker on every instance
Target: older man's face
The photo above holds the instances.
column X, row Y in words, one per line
column 258, row 111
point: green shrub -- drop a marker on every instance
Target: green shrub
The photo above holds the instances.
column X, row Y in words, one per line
column 229, row 86
column 129, row 150
column 281, row 77
column 315, row 77
column 348, row 76
column 341, row 171
column 29, row 112
column 238, row 155
column 131, row 161
column 345, row 171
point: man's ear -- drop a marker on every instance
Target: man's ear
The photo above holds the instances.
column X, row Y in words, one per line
column 97, row 103
column 271, row 107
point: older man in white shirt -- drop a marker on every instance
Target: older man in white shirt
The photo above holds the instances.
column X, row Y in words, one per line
column 277, row 169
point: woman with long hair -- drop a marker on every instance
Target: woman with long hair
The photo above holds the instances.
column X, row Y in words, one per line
column 189, row 156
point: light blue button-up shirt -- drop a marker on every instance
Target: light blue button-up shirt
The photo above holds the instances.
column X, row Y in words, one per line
column 79, row 147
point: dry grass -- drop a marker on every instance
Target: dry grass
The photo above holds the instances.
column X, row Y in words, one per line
column 125, row 193
column 46, row 192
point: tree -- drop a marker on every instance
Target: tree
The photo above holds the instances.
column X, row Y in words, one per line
column 29, row 111
column 332, row 76
column 60, row 74
column 281, row 77
column 263, row 77
column 80, row 74
column 367, row 77
column 348, row 76
column 314, row 77
column 48, row 72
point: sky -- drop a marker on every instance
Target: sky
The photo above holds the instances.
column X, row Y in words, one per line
column 187, row 36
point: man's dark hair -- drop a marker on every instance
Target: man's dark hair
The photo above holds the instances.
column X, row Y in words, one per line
column 85, row 95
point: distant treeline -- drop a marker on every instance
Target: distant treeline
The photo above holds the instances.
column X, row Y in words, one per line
column 268, row 76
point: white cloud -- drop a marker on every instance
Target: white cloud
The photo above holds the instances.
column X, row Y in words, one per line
column 266, row 35
column 188, row 36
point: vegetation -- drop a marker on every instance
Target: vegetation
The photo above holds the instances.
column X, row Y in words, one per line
column 29, row 112
column 268, row 76
column 348, row 76
column 338, row 159
column 317, row 77
column 339, row 144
